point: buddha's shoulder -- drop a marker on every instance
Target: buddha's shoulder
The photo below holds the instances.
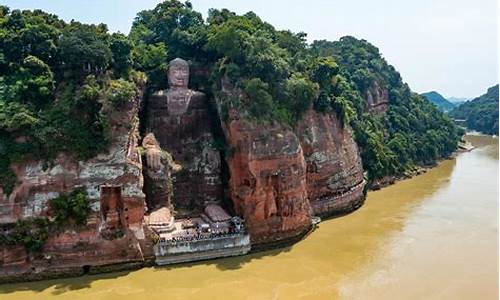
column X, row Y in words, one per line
column 197, row 95
column 158, row 100
column 197, row 100
column 160, row 93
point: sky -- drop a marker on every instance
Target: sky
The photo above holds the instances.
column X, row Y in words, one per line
column 450, row 46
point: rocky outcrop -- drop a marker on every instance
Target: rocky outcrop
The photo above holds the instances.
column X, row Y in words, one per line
column 334, row 171
column 113, row 184
column 268, row 180
column 280, row 177
column 377, row 98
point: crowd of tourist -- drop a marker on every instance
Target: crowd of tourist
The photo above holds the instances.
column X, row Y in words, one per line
column 197, row 235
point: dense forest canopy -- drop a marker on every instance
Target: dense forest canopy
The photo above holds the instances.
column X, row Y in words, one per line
column 411, row 132
column 57, row 78
column 480, row 114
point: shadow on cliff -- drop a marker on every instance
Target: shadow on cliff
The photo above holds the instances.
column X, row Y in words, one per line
column 228, row 263
column 60, row 286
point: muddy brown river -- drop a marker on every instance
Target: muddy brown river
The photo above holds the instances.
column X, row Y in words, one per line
column 431, row 237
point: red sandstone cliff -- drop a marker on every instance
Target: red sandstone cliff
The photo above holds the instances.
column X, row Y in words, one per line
column 280, row 177
column 113, row 182
column 268, row 184
column 334, row 170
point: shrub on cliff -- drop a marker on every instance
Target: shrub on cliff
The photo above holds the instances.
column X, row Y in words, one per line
column 84, row 48
column 31, row 233
column 300, row 94
column 261, row 102
column 152, row 59
column 120, row 92
column 16, row 116
column 121, row 49
column 72, row 207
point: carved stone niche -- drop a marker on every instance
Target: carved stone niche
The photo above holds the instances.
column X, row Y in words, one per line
column 112, row 206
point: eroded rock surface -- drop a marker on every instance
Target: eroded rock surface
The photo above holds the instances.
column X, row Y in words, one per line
column 280, row 177
column 268, row 180
column 334, row 170
column 113, row 182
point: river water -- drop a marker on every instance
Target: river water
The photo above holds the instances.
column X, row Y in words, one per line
column 431, row 237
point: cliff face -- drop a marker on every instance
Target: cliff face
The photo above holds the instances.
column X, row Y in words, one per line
column 113, row 182
column 268, row 182
column 334, row 170
column 280, row 177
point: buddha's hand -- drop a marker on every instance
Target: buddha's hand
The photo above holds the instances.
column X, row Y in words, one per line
column 153, row 159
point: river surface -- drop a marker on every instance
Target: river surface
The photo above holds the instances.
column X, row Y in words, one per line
column 431, row 237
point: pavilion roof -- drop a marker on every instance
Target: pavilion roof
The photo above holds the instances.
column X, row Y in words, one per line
column 216, row 213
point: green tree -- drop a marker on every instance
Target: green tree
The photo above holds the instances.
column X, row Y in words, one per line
column 121, row 48
column 120, row 92
column 152, row 59
column 85, row 48
column 300, row 94
column 175, row 24
column 481, row 113
column 323, row 71
column 261, row 102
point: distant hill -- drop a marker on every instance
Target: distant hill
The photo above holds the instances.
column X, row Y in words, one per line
column 457, row 101
column 440, row 101
column 481, row 113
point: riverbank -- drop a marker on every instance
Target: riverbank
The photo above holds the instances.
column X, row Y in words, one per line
column 421, row 238
column 75, row 271
column 462, row 147
column 35, row 275
column 79, row 270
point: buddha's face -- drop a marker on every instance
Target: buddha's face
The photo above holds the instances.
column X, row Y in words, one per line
column 178, row 76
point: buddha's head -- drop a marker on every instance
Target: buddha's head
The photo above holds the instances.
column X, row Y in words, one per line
column 178, row 73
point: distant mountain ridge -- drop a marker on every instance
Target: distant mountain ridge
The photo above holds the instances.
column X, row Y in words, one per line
column 457, row 101
column 481, row 113
column 441, row 102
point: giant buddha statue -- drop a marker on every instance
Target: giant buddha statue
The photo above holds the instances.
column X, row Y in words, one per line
column 181, row 122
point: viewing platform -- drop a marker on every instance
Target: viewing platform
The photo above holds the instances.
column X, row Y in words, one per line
column 206, row 247
column 214, row 234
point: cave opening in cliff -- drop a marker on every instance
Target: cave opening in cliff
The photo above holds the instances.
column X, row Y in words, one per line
column 86, row 269
column 111, row 206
